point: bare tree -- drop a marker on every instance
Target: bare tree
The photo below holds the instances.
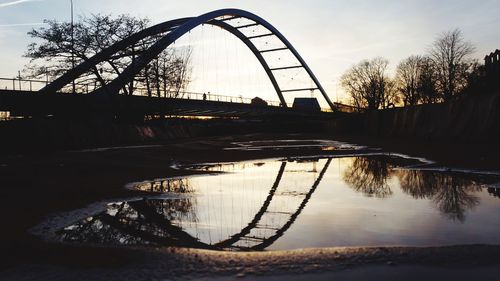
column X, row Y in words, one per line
column 408, row 75
column 368, row 84
column 168, row 74
column 54, row 50
column 450, row 54
column 392, row 97
column 427, row 83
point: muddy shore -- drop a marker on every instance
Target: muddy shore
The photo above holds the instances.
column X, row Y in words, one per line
column 36, row 185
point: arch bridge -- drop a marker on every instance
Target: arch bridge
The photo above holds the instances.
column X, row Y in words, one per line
column 164, row 35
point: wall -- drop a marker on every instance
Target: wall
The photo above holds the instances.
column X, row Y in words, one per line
column 469, row 119
column 75, row 133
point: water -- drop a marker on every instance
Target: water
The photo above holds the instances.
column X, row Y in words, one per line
column 303, row 203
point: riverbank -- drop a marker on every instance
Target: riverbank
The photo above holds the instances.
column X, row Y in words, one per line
column 173, row 264
column 481, row 156
column 35, row 185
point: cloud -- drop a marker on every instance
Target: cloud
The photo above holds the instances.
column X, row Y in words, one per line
column 12, row 3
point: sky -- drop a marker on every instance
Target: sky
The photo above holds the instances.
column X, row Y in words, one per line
column 330, row 35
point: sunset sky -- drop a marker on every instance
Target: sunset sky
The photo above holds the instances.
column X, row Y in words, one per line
column 330, row 35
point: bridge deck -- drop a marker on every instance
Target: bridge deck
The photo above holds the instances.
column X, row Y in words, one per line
column 27, row 103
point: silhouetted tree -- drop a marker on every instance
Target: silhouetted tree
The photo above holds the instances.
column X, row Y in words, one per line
column 427, row 82
column 392, row 96
column 450, row 54
column 478, row 80
column 168, row 74
column 416, row 80
column 368, row 84
column 408, row 74
column 54, row 50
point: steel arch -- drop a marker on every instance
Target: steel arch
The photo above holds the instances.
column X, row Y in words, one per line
column 176, row 29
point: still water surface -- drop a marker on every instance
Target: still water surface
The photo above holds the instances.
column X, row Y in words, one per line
column 302, row 203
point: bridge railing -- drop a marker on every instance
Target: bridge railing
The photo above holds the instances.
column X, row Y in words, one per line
column 199, row 96
column 17, row 84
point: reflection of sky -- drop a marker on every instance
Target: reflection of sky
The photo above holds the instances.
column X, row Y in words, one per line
column 336, row 215
column 221, row 206
column 226, row 203
column 330, row 35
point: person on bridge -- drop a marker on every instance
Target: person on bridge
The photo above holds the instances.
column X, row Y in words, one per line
column 204, row 96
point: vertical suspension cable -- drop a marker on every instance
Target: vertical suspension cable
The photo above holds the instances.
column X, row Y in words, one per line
column 209, row 226
column 238, row 74
column 202, row 46
column 227, row 79
column 214, row 59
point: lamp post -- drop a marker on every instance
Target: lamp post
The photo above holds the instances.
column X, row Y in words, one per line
column 72, row 45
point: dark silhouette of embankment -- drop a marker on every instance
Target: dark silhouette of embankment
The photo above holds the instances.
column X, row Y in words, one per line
column 472, row 119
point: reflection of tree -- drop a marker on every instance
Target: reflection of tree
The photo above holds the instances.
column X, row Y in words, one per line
column 180, row 185
column 369, row 176
column 454, row 200
column 450, row 192
column 417, row 184
column 136, row 222
column 175, row 210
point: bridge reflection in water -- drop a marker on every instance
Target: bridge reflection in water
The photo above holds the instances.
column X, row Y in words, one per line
column 191, row 222
column 256, row 203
